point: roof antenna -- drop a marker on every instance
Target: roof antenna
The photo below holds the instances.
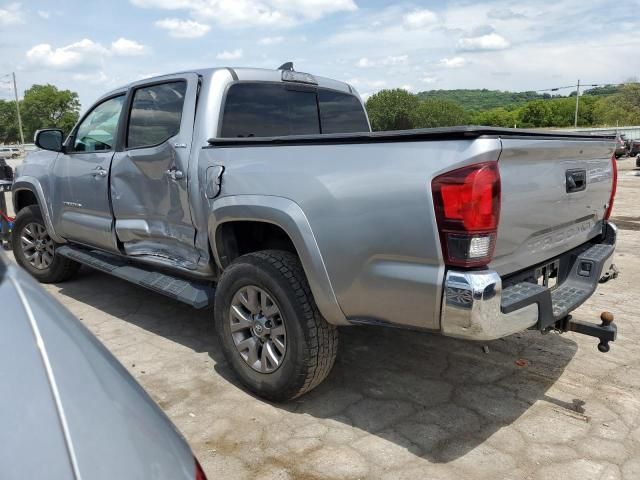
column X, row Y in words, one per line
column 286, row 66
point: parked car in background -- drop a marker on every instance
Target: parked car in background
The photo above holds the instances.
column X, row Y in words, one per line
column 634, row 147
column 68, row 409
column 621, row 146
column 30, row 147
column 15, row 152
column 6, row 153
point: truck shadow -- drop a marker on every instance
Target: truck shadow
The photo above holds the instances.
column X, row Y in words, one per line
column 436, row 397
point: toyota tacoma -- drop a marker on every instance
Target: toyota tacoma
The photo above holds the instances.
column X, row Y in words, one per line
column 264, row 194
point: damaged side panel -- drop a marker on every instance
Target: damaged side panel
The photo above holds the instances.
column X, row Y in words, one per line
column 149, row 182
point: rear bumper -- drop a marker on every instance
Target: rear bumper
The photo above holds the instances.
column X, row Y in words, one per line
column 477, row 307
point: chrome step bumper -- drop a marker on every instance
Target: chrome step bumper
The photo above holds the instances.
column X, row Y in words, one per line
column 477, row 307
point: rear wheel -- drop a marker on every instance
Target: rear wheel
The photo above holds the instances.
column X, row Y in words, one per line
column 271, row 331
column 35, row 250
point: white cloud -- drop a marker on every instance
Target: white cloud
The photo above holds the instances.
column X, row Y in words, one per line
column 371, row 84
column 127, row 48
column 11, row 15
column 504, row 14
column 428, row 79
column 230, row 55
column 183, row 28
column 270, row 40
column 407, row 87
column 419, row 19
column 84, row 52
column 44, row 14
column 453, row 62
column 94, row 78
column 490, row 41
column 254, row 12
column 391, row 60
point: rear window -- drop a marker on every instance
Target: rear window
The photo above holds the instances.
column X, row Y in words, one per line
column 264, row 110
column 269, row 110
column 341, row 113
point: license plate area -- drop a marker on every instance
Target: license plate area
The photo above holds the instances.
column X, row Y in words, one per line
column 547, row 275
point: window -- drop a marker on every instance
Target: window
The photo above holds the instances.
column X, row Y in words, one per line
column 156, row 112
column 267, row 110
column 341, row 112
column 97, row 132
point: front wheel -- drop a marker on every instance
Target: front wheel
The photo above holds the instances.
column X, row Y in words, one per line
column 269, row 326
column 35, row 250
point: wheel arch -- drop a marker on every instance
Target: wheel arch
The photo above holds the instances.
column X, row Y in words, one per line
column 28, row 191
column 283, row 215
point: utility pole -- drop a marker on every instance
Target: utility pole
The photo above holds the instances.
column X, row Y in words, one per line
column 575, row 120
column 15, row 92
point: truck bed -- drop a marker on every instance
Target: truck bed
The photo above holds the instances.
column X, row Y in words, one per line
column 368, row 200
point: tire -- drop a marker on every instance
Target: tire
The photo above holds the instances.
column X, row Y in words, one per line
column 310, row 343
column 58, row 268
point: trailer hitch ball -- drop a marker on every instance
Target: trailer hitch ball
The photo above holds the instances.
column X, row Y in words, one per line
column 607, row 319
column 606, row 331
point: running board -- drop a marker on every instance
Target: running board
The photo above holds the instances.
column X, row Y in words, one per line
column 192, row 292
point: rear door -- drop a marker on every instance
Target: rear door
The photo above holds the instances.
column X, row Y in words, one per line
column 149, row 177
column 554, row 196
column 81, row 177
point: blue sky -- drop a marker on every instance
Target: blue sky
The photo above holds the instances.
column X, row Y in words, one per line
column 92, row 47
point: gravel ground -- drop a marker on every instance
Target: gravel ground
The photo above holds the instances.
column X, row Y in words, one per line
column 398, row 404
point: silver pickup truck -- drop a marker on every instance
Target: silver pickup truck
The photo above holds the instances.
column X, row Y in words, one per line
column 265, row 194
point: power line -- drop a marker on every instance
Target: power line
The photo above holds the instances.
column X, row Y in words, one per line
column 555, row 89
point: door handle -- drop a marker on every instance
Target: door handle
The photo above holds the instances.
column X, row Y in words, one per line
column 576, row 180
column 174, row 174
column 100, row 172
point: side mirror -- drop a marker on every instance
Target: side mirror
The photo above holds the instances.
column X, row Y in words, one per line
column 49, row 139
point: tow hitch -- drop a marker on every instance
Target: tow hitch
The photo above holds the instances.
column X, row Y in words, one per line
column 606, row 331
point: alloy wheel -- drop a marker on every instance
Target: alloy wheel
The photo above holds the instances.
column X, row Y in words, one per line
column 258, row 329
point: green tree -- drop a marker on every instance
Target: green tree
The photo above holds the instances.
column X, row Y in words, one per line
column 496, row 117
column 620, row 109
column 45, row 106
column 434, row 112
column 535, row 114
column 392, row 110
column 8, row 122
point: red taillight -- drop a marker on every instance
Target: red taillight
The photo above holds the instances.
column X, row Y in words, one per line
column 199, row 472
column 467, row 205
column 614, row 187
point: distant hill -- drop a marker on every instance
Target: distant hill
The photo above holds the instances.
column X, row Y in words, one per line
column 483, row 99
column 607, row 90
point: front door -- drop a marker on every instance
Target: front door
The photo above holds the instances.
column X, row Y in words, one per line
column 149, row 177
column 80, row 178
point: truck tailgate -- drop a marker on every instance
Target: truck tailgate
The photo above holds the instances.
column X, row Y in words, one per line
column 555, row 192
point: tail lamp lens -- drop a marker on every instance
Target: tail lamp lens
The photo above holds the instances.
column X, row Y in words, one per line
column 199, row 472
column 467, row 205
column 614, row 187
